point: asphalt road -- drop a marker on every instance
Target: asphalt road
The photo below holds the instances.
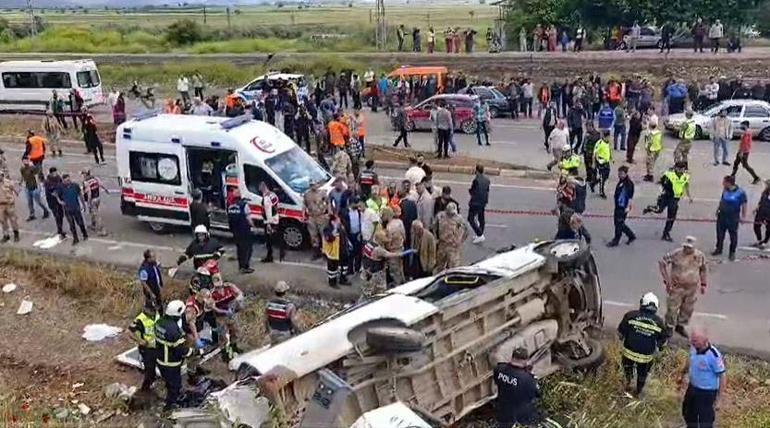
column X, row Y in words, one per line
column 733, row 309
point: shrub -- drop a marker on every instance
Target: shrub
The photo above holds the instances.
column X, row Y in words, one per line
column 184, row 32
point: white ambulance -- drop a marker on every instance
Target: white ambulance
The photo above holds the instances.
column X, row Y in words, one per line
column 162, row 158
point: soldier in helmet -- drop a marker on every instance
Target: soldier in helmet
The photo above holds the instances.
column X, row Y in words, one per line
column 643, row 332
column 281, row 315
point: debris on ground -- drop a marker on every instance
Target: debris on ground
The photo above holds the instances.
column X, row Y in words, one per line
column 25, row 307
column 119, row 391
column 84, row 410
column 48, row 243
column 97, row 332
column 10, row 287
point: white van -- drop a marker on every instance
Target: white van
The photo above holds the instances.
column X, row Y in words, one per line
column 161, row 158
column 253, row 90
column 28, row 85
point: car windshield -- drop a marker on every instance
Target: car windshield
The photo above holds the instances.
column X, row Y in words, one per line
column 88, row 79
column 297, row 169
column 497, row 93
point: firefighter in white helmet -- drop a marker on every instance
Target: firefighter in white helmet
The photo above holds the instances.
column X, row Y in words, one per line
column 202, row 249
column 172, row 350
column 643, row 333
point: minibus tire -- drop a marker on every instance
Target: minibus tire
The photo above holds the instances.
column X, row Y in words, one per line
column 159, row 228
column 294, row 235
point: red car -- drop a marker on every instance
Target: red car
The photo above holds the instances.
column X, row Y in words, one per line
column 418, row 117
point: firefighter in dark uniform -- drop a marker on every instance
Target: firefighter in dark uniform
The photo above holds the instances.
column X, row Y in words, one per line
column 239, row 218
column 643, row 332
column 517, row 392
column 272, row 221
column 281, row 315
column 171, row 348
column 366, row 179
column 143, row 333
column 202, row 248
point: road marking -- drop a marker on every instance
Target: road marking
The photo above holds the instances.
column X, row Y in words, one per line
column 499, row 226
column 110, row 242
column 699, row 314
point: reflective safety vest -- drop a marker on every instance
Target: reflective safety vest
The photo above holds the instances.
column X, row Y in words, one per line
column 278, row 315
column 197, row 308
column 361, row 126
column 678, row 183
column 643, row 332
column 337, row 133
column 223, row 296
column 654, row 141
column 602, row 151
column 36, row 147
column 170, row 342
column 369, row 262
column 687, row 132
column 367, row 178
column 614, row 92
column 571, row 162
column 148, row 327
column 273, row 198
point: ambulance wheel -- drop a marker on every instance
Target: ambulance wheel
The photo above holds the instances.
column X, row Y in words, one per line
column 294, row 236
column 158, row 228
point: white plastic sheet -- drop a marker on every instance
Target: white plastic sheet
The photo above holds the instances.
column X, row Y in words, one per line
column 97, row 332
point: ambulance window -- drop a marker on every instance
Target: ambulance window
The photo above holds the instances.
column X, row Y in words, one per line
column 255, row 175
column 154, row 168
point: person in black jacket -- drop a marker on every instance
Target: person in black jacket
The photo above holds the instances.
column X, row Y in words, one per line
column 624, row 195
column 171, row 351
column 202, row 248
column 239, row 219
column 303, row 127
column 479, row 198
column 592, row 136
column 643, row 332
column 575, row 117
column 199, row 211
column 517, row 391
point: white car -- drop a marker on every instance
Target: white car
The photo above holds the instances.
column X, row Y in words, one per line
column 432, row 343
column 253, row 90
column 757, row 113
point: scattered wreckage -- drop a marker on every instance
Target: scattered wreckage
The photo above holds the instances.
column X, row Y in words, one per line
column 425, row 350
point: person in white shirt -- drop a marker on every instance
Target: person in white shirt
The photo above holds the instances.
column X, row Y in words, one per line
column 200, row 108
column 633, row 36
column 415, row 173
column 716, row 32
column 558, row 138
column 112, row 97
column 712, row 91
column 183, row 87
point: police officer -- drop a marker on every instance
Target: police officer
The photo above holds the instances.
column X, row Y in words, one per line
column 281, row 315
column 272, row 221
column 707, row 381
column 683, row 271
column 643, row 332
column 8, row 218
column 373, row 262
column 451, row 232
column 569, row 160
column 315, row 211
column 202, row 248
column 143, row 333
column 675, row 184
column 171, row 348
column 686, row 135
column 517, row 391
column 653, row 143
column 239, row 218
column 623, row 198
column 602, row 159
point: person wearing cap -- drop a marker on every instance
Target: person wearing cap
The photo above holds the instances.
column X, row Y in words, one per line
column 281, row 315
column 171, row 351
column 142, row 331
column 451, row 232
column 675, row 183
column 624, row 195
column 684, row 272
column 643, row 333
column 517, row 391
column 686, row 135
column 315, row 211
column 705, row 371
column 732, row 209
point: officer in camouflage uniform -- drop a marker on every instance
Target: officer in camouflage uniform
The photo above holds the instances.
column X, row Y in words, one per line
column 3, row 164
column 683, row 270
column 396, row 236
column 315, row 210
column 8, row 193
column 374, row 258
column 342, row 166
column 451, row 231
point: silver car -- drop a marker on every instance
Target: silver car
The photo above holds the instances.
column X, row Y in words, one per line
column 757, row 113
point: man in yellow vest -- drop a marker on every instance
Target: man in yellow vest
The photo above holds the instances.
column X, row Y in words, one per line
column 686, row 135
column 675, row 183
column 602, row 159
column 143, row 333
column 653, row 143
column 569, row 160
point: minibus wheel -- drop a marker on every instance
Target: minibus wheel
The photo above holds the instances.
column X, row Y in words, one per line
column 158, row 228
column 294, row 236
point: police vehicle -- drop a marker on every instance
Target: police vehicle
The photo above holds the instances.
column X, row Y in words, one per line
column 162, row 158
column 433, row 343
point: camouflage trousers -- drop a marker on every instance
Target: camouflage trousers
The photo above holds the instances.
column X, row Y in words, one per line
column 396, row 270
column 96, row 218
column 652, row 157
column 8, row 218
column 315, row 229
column 682, row 151
column 680, row 304
column 54, row 143
column 373, row 284
column 446, row 258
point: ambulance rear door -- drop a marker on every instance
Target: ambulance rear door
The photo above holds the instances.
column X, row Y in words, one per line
column 158, row 184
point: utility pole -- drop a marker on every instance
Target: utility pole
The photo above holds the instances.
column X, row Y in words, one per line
column 228, row 18
column 204, row 14
column 32, row 23
column 381, row 31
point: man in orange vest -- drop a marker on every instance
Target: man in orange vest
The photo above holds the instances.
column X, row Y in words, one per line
column 338, row 132
column 35, row 151
column 358, row 123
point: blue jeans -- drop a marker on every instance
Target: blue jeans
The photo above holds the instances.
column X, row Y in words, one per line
column 620, row 135
column 33, row 196
column 720, row 143
column 452, row 143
